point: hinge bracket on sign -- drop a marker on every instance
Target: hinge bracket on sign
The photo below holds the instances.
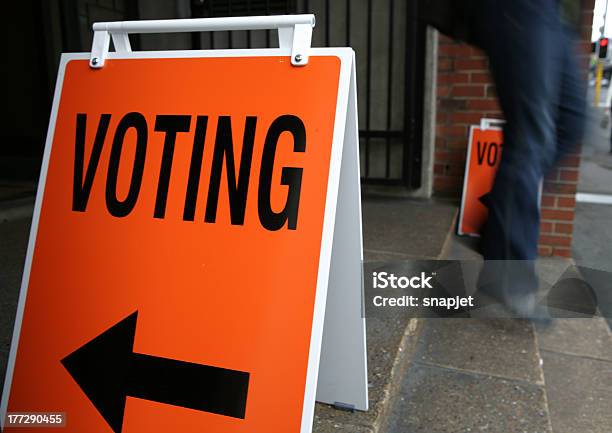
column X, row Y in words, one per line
column 298, row 37
column 294, row 33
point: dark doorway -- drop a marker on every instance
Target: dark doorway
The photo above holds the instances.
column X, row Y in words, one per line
column 26, row 92
column 390, row 48
column 389, row 44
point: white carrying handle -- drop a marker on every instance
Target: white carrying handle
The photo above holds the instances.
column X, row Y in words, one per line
column 294, row 32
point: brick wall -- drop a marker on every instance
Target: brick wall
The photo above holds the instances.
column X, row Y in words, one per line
column 466, row 93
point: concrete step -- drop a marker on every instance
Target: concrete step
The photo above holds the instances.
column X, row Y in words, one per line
column 473, row 375
column 501, row 375
column 394, row 229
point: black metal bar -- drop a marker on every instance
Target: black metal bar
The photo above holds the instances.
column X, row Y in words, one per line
column 69, row 18
column 389, row 85
column 306, row 6
column 211, row 35
column 413, row 98
column 327, row 23
column 348, row 23
column 381, row 134
column 230, row 38
column 197, row 11
column 132, row 14
column 408, row 87
column 267, row 31
column 248, row 31
column 368, row 88
column 382, row 181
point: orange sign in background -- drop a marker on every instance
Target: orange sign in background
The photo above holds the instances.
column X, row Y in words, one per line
column 484, row 154
column 136, row 246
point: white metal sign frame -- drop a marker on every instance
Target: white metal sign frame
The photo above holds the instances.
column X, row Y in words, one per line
column 485, row 124
column 340, row 350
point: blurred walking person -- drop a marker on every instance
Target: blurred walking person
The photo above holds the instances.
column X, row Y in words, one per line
column 532, row 55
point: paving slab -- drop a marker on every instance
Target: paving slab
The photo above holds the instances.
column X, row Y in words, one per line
column 582, row 337
column 407, row 227
column 393, row 228
column 331, row 426
column 438, row 400
column 592, row 245
column 462, row 248
column 382, row 256
column 13, row 245
column 500, row 347
column 579, row 392
column 391, row 341
column 15, row 190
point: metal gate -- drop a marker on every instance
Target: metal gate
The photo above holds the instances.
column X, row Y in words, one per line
column 390, row 47
column 388, row 40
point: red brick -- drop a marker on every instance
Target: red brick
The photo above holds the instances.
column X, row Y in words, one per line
column 562, row 252
column 457, row 143
column 470, row 64
column 441, row 155
column 563, row 241
column 443, row 91
column 455, row 50
column 445, row 64
column 565, row 228
column 569, row 175
column 441, row 117
column 552, row 175
column 587, row 21
column 587, row 5
column 477, row 52
column 463, row 117
column 566, row 202
column 570, row 161
column 480, row 77
column 556, row 214
column 455, row 169
column 468, row 91
column 545, row 250
column 584, row 47
column 548, row 200
column 446, row 186
column 546, row 227
column 443, row 39
column 457, row 156
column 483, row 104
column 452, row 105
column 560, row 188
column 451, row 130
column 453, row 77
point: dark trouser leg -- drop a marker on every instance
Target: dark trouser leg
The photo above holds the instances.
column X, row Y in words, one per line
column 572, row 101
column 521, row 38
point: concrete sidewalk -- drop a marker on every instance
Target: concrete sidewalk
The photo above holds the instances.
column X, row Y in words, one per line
column 440, row 375
column 394, row 229
column 505, row 375
column 470, row 375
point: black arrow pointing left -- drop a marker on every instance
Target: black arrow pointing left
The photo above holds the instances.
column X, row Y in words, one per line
column 107, row 370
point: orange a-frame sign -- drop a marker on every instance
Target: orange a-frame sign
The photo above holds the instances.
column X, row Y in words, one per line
column 180, row 251
column 484, row 153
